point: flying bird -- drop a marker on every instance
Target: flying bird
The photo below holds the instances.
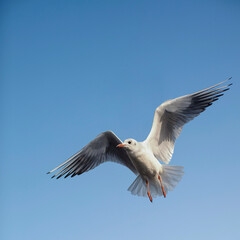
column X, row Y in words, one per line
column 143, row 158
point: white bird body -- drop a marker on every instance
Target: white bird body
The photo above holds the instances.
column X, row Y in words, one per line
column 143, row 158
column 158, row 178
column 148, row 167
column 144, row 161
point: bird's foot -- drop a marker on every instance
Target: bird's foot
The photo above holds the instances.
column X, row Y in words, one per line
column 150, row 197
column 148, row 193
column 164, row 193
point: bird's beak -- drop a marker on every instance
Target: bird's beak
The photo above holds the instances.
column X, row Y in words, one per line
column 121, row 145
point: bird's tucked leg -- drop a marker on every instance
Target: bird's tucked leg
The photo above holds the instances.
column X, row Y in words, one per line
column 148, row 193
column 164, row 193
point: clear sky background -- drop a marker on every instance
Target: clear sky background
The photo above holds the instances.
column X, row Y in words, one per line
column 73, row 69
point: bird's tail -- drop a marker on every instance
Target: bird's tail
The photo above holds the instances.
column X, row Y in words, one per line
column 170, row 177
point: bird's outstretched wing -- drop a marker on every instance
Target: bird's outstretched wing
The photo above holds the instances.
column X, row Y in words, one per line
column 101, row 149
column 170, row 117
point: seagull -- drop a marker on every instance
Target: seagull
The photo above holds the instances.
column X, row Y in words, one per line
column 143, row 158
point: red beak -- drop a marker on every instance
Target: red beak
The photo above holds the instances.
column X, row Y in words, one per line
column 120, row 145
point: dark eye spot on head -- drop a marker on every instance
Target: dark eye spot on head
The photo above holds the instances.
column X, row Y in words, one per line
column 129, row 142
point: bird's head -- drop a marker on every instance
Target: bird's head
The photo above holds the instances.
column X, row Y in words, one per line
column 129, row 144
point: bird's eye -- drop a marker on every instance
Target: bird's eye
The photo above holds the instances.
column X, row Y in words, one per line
column 129, row 142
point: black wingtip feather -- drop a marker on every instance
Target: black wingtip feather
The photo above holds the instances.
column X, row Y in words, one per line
column 217, row 96
column 226, row 89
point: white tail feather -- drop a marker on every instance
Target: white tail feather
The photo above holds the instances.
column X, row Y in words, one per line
column 138, row 187
column 170, row 176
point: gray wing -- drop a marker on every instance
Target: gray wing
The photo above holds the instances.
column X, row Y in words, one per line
column 170, row 117
column 101, row 149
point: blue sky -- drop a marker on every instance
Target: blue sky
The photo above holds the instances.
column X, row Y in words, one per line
column 72, row 69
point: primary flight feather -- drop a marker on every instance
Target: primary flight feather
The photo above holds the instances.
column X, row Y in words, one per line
column 142, row 158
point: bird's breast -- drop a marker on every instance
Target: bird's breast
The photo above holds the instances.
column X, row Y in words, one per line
column 145, row 163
